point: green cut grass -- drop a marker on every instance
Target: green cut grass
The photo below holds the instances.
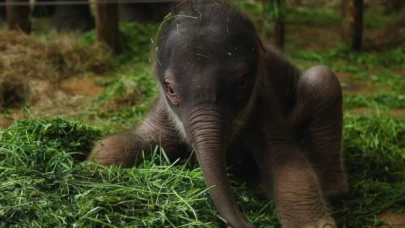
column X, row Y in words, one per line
column 42, row 184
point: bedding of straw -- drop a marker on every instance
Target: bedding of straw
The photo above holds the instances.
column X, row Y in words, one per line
column 32, row 67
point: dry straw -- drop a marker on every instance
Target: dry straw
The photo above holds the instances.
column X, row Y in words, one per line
column 30, row 65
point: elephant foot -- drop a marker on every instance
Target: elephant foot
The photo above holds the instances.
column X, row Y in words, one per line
column 321, row 223
column 336, row 191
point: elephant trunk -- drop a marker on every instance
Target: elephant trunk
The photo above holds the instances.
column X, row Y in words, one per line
column 207, row 135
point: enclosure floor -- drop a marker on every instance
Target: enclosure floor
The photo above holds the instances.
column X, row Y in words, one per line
column 83, row 89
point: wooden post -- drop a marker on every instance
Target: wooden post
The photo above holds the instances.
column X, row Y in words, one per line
column 352, row 23
column 107, row 24
column 279, row 33
column 18, row 17
column 2, row 11
column 277, row 10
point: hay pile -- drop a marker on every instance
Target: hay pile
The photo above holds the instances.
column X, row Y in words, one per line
column 32, row 68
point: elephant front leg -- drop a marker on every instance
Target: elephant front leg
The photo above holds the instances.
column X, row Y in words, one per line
column 298, row 195
column 287, row 171
column 289, row 176
column 125, row 149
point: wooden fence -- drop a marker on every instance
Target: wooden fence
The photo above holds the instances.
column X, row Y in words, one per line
column 18, row 14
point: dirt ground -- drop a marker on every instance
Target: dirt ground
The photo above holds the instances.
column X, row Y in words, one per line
column 70, row 99
column 394, row 219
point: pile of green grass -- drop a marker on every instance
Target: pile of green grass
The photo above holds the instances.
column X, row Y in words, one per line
column 43, row 184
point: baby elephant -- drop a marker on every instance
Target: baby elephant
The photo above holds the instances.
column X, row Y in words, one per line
column 236, row 102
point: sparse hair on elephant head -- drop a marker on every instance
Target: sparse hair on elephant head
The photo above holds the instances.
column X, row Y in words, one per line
column 208, row 33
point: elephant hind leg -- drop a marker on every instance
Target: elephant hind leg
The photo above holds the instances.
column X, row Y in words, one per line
column 319, row 105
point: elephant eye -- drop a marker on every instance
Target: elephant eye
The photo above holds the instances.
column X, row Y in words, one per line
column 243, row 82
column 171, row 92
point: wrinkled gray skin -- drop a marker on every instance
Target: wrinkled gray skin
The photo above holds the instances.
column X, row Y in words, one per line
column 235, row 102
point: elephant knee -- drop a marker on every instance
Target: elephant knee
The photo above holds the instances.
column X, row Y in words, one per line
column 320, row 87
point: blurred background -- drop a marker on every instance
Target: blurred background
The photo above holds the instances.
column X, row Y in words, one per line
column 81, row 59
